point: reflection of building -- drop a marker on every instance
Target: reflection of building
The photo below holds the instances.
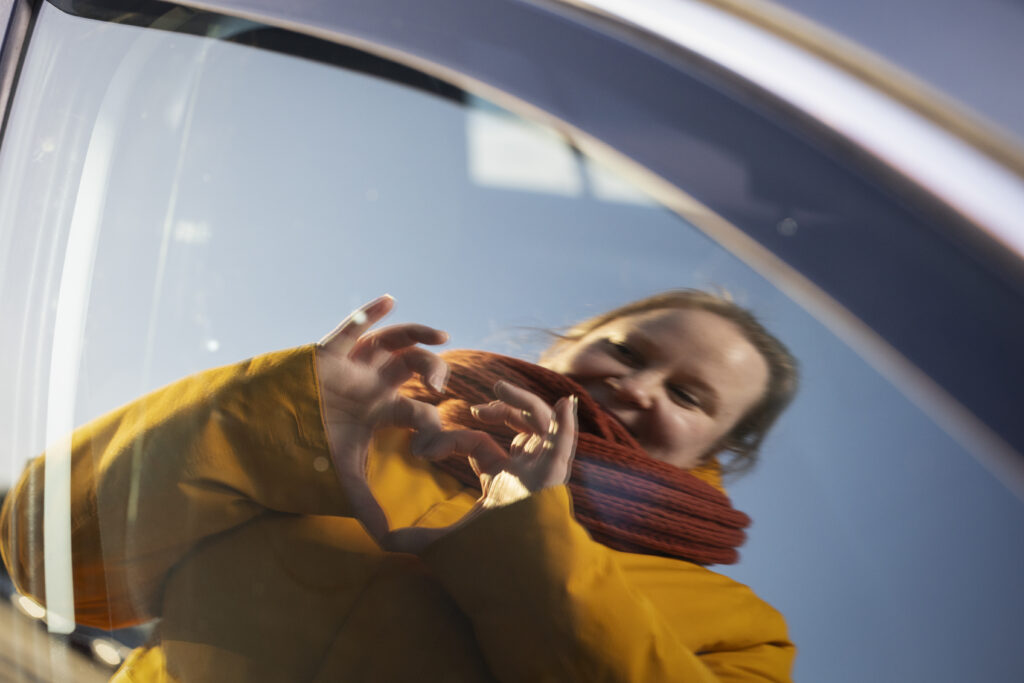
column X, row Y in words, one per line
column 509, row 152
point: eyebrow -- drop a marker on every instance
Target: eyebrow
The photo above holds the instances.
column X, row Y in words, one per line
column 708, row 392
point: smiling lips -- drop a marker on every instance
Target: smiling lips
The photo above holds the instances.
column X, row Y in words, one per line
column 618, row 418
column 608, row 404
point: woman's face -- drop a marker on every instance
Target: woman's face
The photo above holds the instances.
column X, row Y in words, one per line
column 677, row 379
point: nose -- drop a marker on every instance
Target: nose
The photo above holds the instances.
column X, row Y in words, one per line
column 636, row 389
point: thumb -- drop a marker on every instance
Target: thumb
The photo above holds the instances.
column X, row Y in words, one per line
column 415, row 539
column 365, row 508
column 479, row 446
column 412, row 540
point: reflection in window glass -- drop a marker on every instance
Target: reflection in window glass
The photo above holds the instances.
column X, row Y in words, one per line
column 177, row 202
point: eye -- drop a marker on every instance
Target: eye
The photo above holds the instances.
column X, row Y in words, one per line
column 625, row 352
column 684, row 397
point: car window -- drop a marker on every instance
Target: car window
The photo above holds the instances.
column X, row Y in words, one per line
column 174, row 200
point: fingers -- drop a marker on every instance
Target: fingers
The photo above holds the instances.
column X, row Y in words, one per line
column 532, row 447
column 412, row 539
column 404, row 364
column 546, row 460
column 431, row 442
column 546, row 435
column 415, row 539
column 406, row 412
column 563, row 449
column 540, row 458
column 484, row 453
column 365, row 507
column 499, row 412
column 533, row 410
column 387, row 340
column 344, row 337
column 350, row 338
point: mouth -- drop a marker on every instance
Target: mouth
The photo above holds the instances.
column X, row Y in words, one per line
column 607, row 404
column 618, row 418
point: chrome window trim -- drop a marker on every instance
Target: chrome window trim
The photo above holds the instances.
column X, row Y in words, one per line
column 886, row 128
column 15, row 21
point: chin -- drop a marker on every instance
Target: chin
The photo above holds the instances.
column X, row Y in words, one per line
column 660, row 455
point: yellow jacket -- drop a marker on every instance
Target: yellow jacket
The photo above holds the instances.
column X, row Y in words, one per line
column 212, row 504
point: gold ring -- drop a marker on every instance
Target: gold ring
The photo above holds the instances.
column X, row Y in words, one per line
column 552, row 426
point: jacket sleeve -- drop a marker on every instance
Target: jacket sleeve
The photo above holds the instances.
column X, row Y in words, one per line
column 549, row 604
column 152, row 479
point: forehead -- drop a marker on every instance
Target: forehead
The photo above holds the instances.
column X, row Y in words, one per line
column 669, row 325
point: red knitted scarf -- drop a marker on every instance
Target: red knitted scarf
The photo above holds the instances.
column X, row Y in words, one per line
column 624, row 498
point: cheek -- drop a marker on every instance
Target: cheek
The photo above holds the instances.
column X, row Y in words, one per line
column 680, row 438
column 690, row 432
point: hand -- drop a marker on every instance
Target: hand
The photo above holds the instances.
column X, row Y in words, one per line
column 543, row 450
column 541, row 456
column 359, row 375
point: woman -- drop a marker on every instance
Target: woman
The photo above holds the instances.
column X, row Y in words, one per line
column 259, row 497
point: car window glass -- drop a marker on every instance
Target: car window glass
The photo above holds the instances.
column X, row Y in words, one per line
column 173, row 202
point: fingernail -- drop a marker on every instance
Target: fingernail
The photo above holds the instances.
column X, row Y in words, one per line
column 475, row 411
column 575, row 403
column 376, row 302
column 439, row 380
column 360, row 316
